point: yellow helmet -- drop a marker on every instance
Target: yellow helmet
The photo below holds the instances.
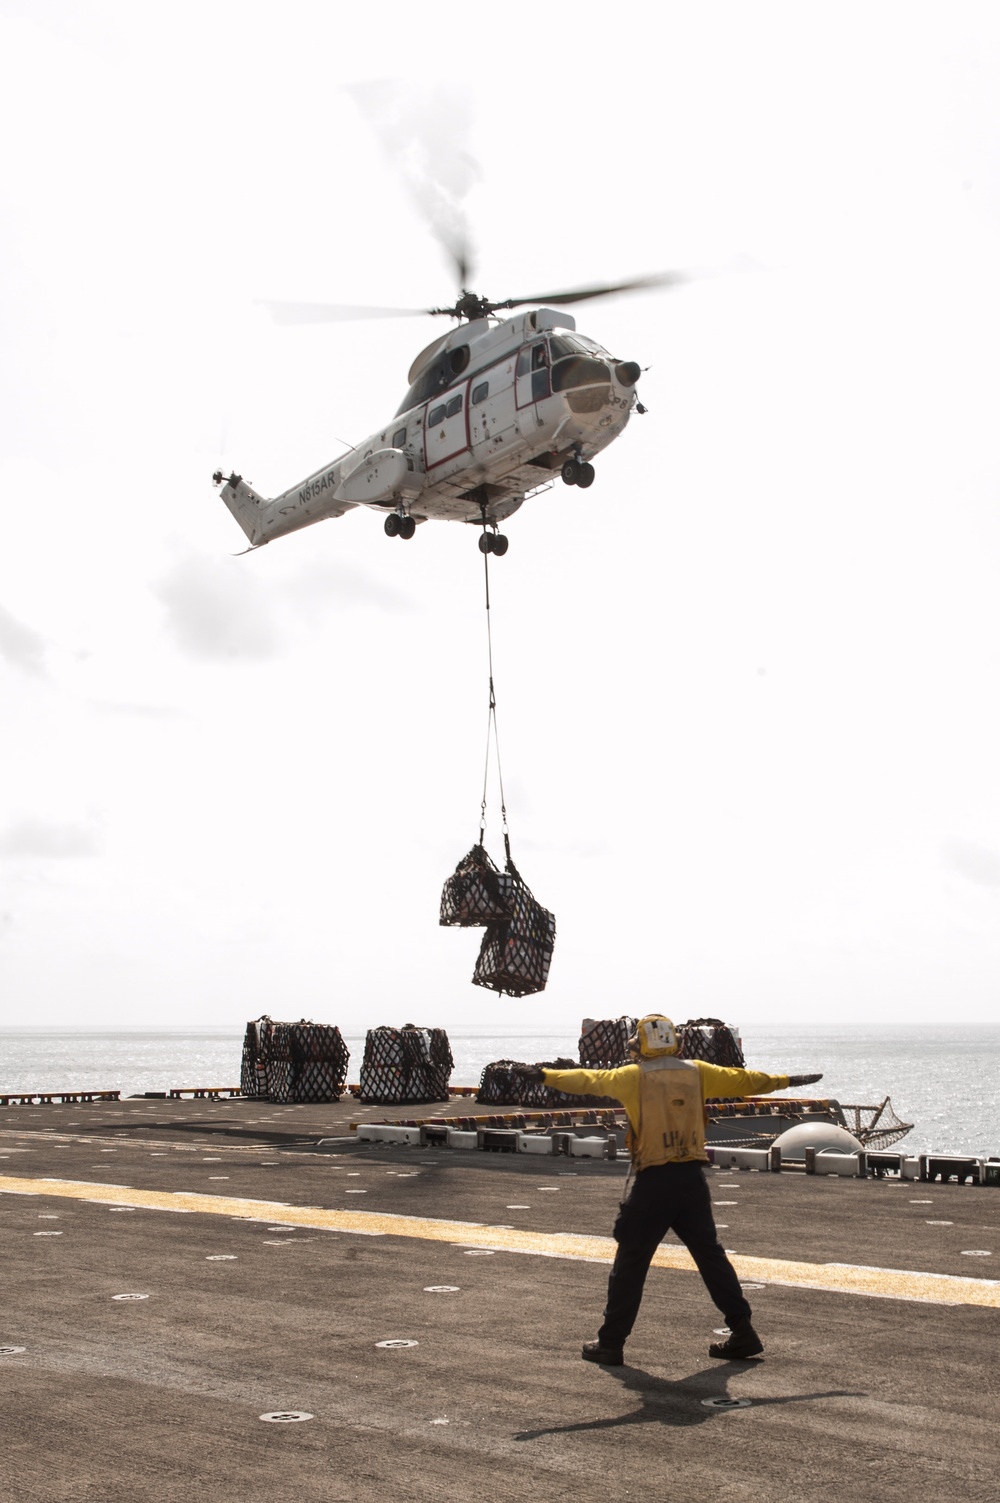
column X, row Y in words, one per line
column 654, row 1035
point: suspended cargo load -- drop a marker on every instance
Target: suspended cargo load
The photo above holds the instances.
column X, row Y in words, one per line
column 405, row 1064
column 477, row 892
column 293, row 1062
column 516, row 953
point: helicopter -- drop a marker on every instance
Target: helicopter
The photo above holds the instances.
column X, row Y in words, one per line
column 495, row 410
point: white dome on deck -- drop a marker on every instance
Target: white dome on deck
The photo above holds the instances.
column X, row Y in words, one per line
column 822, row 1136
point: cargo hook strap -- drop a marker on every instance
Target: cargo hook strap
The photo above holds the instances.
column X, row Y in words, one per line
column 491, row 728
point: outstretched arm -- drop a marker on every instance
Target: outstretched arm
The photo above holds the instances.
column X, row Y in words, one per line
column 717, row 1081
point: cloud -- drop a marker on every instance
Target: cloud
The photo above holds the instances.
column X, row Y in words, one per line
column 37, row 837
column 218, row 612
column 140, row 711
column 978, row 863
column 20, row 645
column 323, row 584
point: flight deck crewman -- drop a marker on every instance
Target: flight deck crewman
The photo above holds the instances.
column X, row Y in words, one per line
column 664, row 1098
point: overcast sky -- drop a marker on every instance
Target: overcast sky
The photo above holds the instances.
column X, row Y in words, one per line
column 747, row 683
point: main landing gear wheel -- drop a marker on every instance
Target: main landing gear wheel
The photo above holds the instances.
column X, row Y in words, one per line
column 578, row 472
column 393, row 525
column 493, row 542
column 407, row 527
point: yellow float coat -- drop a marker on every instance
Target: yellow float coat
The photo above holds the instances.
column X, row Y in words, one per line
column 665, row 1101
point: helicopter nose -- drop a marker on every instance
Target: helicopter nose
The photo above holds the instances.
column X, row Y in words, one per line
column 628, row 372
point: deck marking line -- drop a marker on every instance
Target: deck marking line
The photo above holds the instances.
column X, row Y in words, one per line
column 891, row 1283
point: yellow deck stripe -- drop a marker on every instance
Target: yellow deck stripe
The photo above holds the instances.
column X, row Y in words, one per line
column 886, row 1283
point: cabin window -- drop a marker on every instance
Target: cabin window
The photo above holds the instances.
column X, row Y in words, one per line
column 454, row 406
column 399, row 438
column 435, row 416
column 480, row 393
column 523, row 362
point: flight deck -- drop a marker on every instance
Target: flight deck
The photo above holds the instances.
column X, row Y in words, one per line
column 231, row 1299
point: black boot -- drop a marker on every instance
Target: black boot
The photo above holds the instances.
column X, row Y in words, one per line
column 607, row 1356
column 741, row 1342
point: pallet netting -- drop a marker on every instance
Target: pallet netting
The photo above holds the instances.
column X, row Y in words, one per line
column 515, row 955
column 875, row 1127
column 292, row 1062
column 502, row 1084
column 476, row 893
column 248, row 1065
column 256, row 1050
column 604, row 1042
column 711, row 1040
column 280, row 1081
column 405, row 1064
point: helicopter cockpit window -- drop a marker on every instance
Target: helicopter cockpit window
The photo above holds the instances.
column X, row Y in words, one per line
column 399, row 438
column 435, row 416
column 574, row 344
column 453, row 407
column 480, row 393
column 578, row 370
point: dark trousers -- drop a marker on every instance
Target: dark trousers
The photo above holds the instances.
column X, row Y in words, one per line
column 665, row 1197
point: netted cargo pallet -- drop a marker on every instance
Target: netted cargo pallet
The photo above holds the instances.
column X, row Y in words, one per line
column 293, row 1062
column 502, row 1085
column 405, row 1064
column 604, row 1042
column 256, row 1047
column 711, row 1040
column 476, row 893
column 515, row 954
column 280, row 1081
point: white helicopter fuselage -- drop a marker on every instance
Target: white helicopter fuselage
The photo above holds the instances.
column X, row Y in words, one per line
column 494, row 411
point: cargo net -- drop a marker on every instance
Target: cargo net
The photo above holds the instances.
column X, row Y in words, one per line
column 604, row 1042
column 477, row 892
column 516, row 952
column 405, row 1064
column 256, row 1051
column 875, row 1127
column 711, row 1040
column 502, row 1085
column 293, row 1062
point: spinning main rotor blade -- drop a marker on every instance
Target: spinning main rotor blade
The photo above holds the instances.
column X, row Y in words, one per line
column 583, row 294
column 328, row 313
column 471, row 306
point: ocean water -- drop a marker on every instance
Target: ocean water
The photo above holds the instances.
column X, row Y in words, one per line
column 943, row 1079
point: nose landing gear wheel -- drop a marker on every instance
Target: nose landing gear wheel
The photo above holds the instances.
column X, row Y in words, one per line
column 393, row 525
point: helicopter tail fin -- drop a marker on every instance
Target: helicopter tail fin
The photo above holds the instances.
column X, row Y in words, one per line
column 245, row 505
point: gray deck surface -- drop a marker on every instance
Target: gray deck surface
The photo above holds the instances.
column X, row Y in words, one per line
column 858, row 1398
